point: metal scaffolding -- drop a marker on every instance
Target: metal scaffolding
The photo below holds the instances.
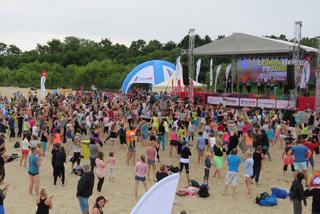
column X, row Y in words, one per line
column 317, row 103
column 296, row 59
column 190, row 53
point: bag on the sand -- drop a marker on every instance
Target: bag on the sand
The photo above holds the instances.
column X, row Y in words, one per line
column 203, row 191
column 12, row 157
column 173, row 169
column 78, row 170
column 194, row 183
column 279, row 193
column 261, row 197
column 269, row 201
column 16, row 145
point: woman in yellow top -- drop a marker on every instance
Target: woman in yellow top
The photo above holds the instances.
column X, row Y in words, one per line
column 155, row 122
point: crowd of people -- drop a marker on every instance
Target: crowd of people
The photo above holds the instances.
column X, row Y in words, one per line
column 59, row 126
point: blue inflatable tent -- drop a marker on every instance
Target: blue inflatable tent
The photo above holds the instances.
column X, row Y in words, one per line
column 151, row 72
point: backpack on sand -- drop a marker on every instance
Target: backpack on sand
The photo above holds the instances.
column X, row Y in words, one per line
column 203, row 191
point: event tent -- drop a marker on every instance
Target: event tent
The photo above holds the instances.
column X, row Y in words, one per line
column 243, row 44
column 151, row 72
column 166, row 86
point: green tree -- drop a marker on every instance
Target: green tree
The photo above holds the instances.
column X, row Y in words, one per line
column 13, row 50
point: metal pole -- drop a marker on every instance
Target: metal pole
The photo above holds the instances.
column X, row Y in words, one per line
column 317, row 94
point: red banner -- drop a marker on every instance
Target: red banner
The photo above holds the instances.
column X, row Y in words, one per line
column 179, row 87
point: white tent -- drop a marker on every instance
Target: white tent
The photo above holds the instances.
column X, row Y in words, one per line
column 166, row 86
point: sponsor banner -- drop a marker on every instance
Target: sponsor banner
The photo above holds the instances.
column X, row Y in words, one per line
column 266, row 103
column 214, row 100
column 230, row 101
column 248, row 102
column 284, row 104
column 227, row 101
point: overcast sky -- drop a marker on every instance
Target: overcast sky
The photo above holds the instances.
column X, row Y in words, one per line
column 28, row 22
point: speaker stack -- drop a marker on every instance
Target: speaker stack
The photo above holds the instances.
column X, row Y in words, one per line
column 290, row 77
column 185, row 74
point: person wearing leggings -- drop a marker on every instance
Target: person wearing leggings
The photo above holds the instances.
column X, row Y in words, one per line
column 59, row 170
column 100, row 171
column 184, row 158
column 257, row 158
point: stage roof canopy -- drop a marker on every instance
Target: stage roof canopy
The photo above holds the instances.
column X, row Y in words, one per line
column 242, row 44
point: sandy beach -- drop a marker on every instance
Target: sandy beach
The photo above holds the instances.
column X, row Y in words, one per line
column 121, row 192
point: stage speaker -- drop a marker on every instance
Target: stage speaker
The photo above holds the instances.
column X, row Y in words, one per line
column 185, row 74
column 290, row 77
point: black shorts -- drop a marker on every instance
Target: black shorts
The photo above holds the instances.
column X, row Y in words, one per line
column 174, row 142
column 33, row 174
column 138, row 178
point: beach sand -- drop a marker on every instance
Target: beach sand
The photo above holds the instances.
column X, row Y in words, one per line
column 121, row 192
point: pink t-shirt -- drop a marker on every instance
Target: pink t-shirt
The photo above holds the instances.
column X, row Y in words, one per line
column 112, row 161
column 101, row 165
column 173, row 136
column 31, row 123
column 141, row 169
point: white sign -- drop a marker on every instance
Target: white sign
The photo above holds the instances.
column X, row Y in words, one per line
column 214, row 100
column 266, row 103
column 284, row 104
column 248, row 102
column 231, row 101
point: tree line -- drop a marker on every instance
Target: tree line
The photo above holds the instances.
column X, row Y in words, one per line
column 75, row 62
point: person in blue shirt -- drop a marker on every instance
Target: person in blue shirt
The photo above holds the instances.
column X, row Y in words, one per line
column 233, row 162
column 34, row 161
column 301, row 155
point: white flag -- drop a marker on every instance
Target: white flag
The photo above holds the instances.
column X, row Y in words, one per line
column 164, row 190
column 215, row 80
column 42, row 84
column 198, row 69
column 228, row 71
column 211, row 72
column 178, row 68
column 305, row 74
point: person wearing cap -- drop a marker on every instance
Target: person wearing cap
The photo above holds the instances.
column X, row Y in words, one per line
column 314, row 191
column 85, row 188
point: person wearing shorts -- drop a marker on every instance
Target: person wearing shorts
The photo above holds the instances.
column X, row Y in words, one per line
column 233, row 170
column 301, row 155
column 151, row 153
column 85, row 188
column 141, row 170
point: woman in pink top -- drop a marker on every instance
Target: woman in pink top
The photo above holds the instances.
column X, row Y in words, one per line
column 100, row 171
column 141, row 171
column 173, row 140
column 151, row 153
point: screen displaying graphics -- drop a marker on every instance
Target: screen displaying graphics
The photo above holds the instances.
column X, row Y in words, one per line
column 262, row 68
column 276, row 68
